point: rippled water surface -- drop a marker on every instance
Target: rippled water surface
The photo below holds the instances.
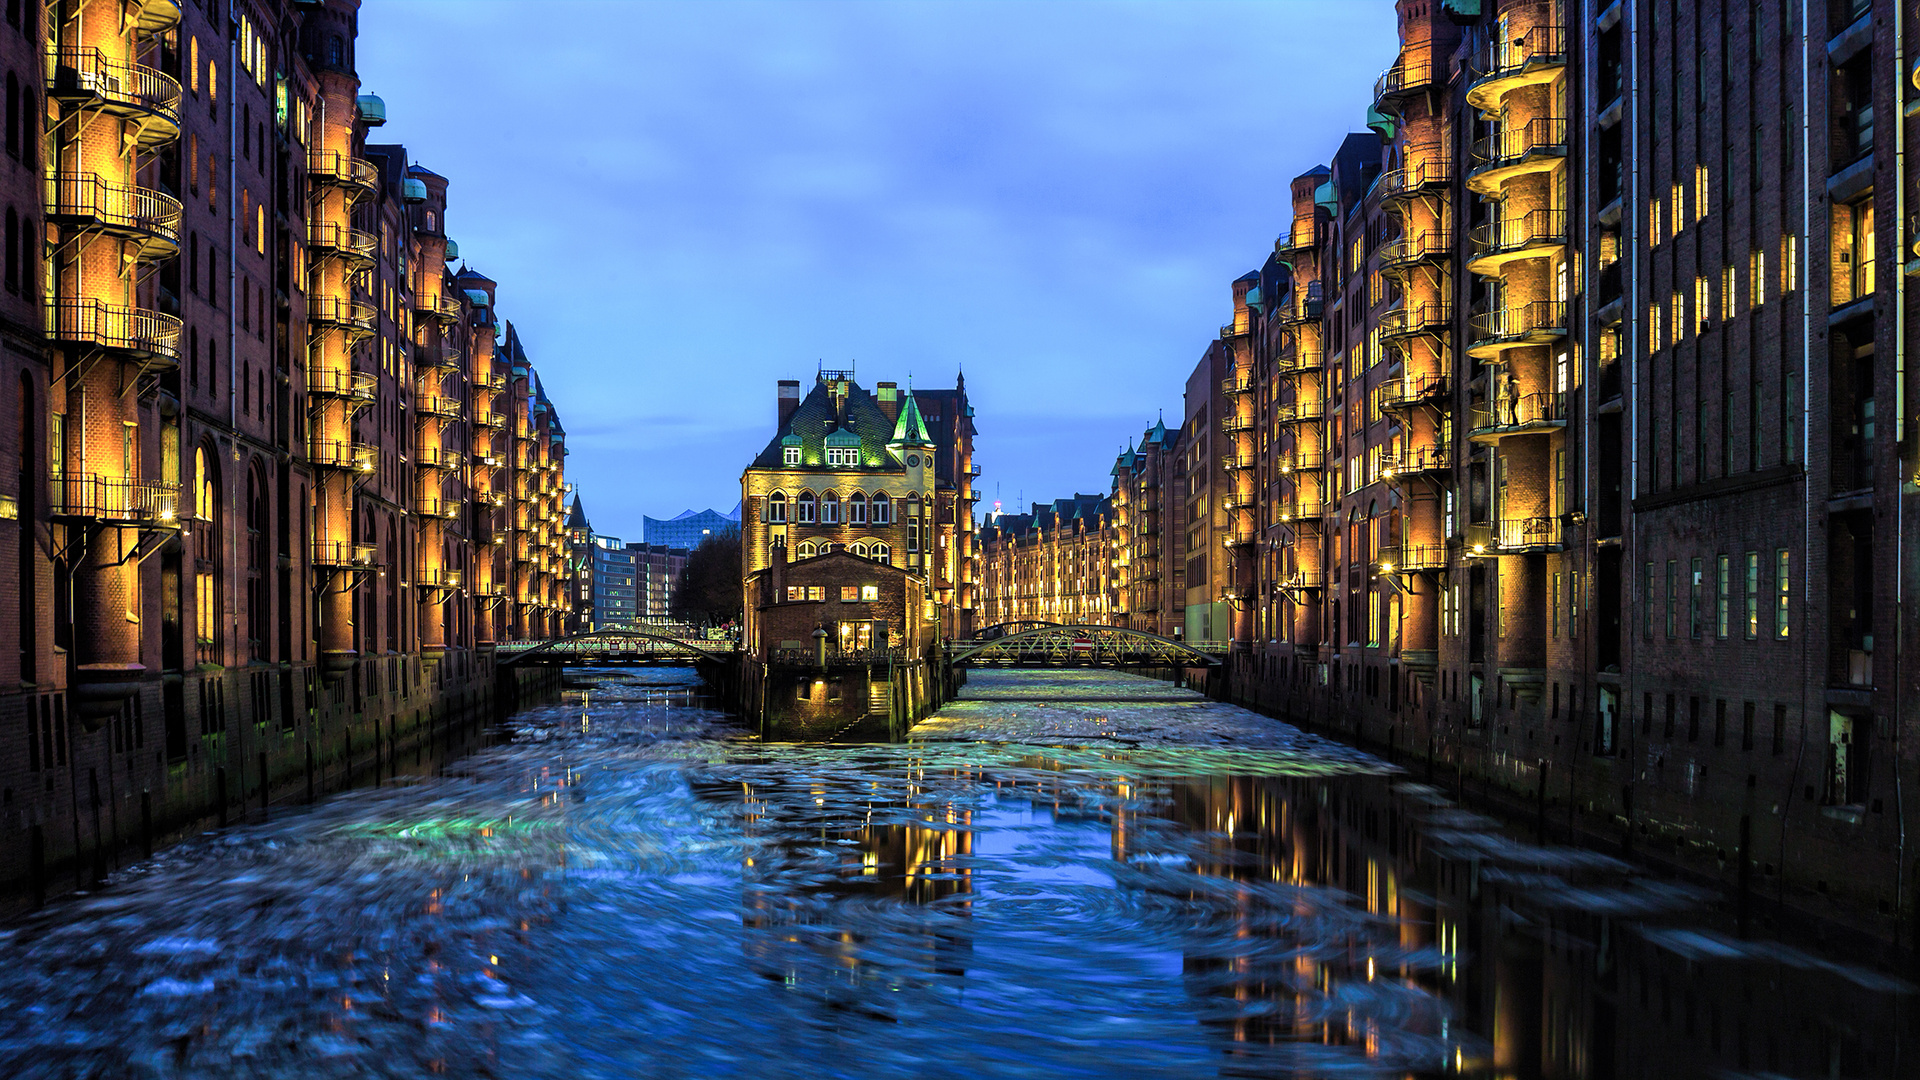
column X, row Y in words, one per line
column 631, row 886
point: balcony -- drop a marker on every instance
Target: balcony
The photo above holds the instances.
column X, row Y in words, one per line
column 1301, row 508
column 1300, row 306
column 1432, row 173
column 148, row 99
column 146, row 336
column 1237, row 384
column 1301, row 238
column 436, row 507
column 1238, row 501
column 335, row 169
column 1430, row 247
column 436, row 577
column 1534, row 147
column 1411, row 390
column 488, row 418
column 353, row 245
column 436, row 405
column 89, row 201
column 1411, row 461
column 113, row 500
column 1410, row 320
column 151, row 18
column 347, row 456
column 1528, row 414
column 1238, row 462
column 1242, row 536
column 1409, row 76
column 341, row 555
column 331, row 312
column 1234, row 424
column 1514, row 536
column 1506, row 64
column 1413, row 558
column 1301, row 459
column 356, row 386
column 1298, row 360
column 1536, row 234
column 443, row 308
column 1301, row 412
column 1541, row 322
column 1232, row 330
column 434, row 457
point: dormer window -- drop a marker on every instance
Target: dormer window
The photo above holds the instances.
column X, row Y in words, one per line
column 791, row 455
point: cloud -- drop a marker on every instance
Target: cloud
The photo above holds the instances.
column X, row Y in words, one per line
column 686, row 202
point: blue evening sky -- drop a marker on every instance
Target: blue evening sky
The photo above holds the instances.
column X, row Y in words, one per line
column 684, row 203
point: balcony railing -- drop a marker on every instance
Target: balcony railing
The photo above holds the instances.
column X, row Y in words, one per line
column 1505, row 63
column 1234, row 424
column 1433, row 170
column 1412, row 558
column 348, row 243
column 1514, row 535
column 1301, row 237
column 1237, row 501
column 1300, row 306
column 488, row 418
column 1411, row 390
column 1242, row 536
column 1239, row 462
column 835, row 655
column 335, row 554
column 1524, row 324
column 1408, row 75
column 436, row 457
column 148, row 335
column 446, row 408
column 1543, row 138
column 1301, row 459
column 1301, row 412
column 1519, row 415
column 1237, row 384
column 1231, row 331
column 1300, row 359
column 361, row 386
column 1408, row 251
column 338, row 454
column 344, row 170
column 1411, row 461
column 332, row 311
column 125, row 210
column 1426, row 318
column 1301, row 506
column 89, row 79
column 438, row 507
column 436, row 577
column 1534, row 233
column 114, row 500
column 442, row 307
column 151, row 18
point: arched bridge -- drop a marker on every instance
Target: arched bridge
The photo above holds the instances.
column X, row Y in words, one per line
column 1000, row 630
column 1101, row 646
column 619, row 647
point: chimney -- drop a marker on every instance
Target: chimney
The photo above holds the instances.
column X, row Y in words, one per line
column 789, row 400
column 887, row 395
column 776, row 581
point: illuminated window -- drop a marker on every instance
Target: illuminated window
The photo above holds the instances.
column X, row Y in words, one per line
column 1782, row 587
column 869, row 593
column 849, row 594
column 805, row 508
column 777, row 508
column 830, row 509
column 790, row 456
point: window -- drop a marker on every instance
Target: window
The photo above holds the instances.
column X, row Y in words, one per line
column 805, row 508
column 1554, row 618
column 1673, row 599
column 1723, row 596
column 1757, row 278
column 807, row 549
column 882, row 510
column 869, row 593
column 1753, row 595
column 1783, row 583
column 1789, row 263
column 856, row 509
column 1694, row 614
column 1573, row 604
column 777, row 508
column 849, row 594
column 830, row 509
column 913, row 534
column 1646, row 608
column 881, row 553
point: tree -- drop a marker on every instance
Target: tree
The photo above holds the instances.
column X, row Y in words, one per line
column 709, row 592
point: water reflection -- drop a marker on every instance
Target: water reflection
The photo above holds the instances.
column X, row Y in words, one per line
column 1062, row 876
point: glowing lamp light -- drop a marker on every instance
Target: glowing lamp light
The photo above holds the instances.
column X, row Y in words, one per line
column 1386, row 568
column 1479, row 549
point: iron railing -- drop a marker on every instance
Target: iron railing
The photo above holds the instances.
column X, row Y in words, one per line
column 342, row 553
column 1410, row 390
column 1301, row 412
column 116, row 207
column 1418, row 248
column 334, row 167
column 360, row 386
column 1522, row 411
column 1299, row 359
column 1429, row 317
column 436, row 457
column 110, row 326
column 327, row 236
column 1408, row 75
column 1434, row 169
column 1543, row 135
column 341, row 454
column 336, row 311
column 1533, row 229
column 1504, row 58
column 1521, row 322
column 1235, row 423
column 1519, row 534
column 447, row 408
column 1413, row 460
column 1412, row 557
column 86, row 74
column 114, row 499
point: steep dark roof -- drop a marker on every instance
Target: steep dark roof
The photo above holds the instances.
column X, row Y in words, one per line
column 577, row 517
column 817, row 417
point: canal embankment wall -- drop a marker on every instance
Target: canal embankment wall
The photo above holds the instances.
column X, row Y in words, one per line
column 216, row 746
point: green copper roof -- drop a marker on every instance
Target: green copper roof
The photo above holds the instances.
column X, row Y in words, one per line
column 911, row 430
column 841, row 437
column 1380, row 122
column 791, row 439
column 819, row 417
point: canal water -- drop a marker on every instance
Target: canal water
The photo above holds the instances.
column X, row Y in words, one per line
column 1064, row 873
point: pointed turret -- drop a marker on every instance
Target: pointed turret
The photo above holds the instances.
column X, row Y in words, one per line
column 911, row 430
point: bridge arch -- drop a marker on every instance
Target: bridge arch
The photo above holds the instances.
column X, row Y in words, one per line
column 1000, row 630
column 1108, row 646
column 661, row 645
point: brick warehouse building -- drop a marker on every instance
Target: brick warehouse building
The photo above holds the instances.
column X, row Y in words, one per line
column 1567, row 437
column 275, row 479
column 1055, row 564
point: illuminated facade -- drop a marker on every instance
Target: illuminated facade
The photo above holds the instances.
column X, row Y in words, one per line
column 262, row 524
column 1059, row 563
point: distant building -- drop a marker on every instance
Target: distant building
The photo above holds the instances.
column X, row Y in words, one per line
column 656, row 574
column 691, row 528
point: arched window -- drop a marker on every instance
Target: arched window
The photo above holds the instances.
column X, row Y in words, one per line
column 913, row 505
column 856, row 509
column 206, row 555
column 882, row 509
column 826, row 547
column 807, row 549
column 830, row 509
column 777, row 508
column 13, row 115
column 857, row 548
column 336, row 49
column 429, row 221
column 881, row 553
column 805, row 509
column 258, row 517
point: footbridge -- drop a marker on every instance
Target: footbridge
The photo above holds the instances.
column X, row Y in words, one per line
column 621, row 648
column 1087, row 646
